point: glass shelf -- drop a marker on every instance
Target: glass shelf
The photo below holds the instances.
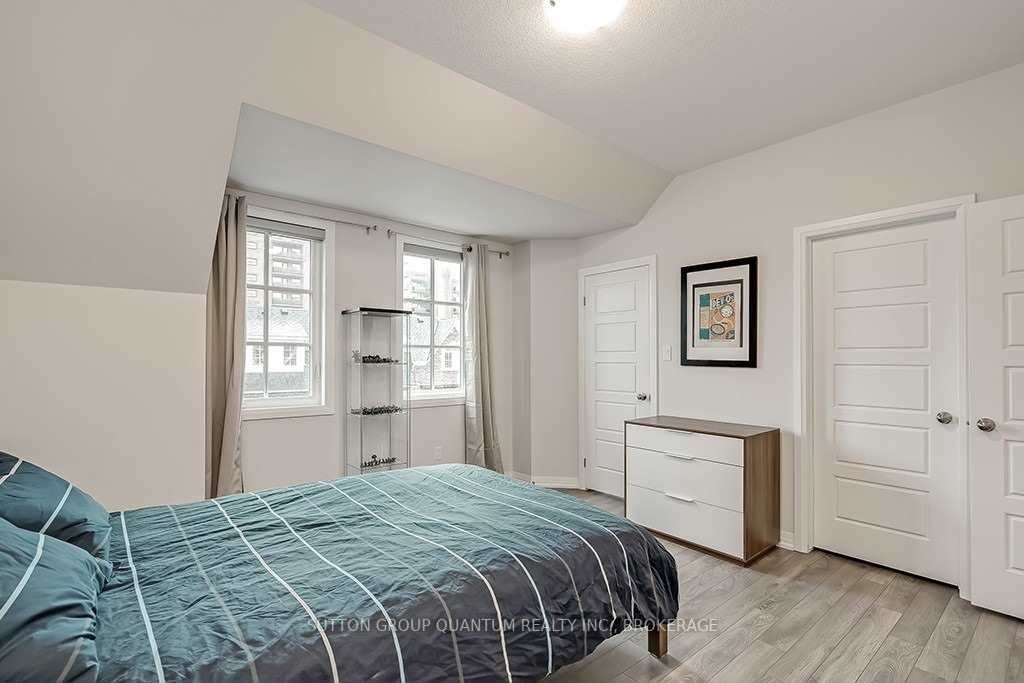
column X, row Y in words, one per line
column 377, row 312
column 357, row 413
column 380, row 334
column 368, row 466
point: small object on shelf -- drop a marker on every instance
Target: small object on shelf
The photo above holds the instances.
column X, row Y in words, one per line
column 374, row 461
column 374, row 359
column 377, row 426
column 377, row 410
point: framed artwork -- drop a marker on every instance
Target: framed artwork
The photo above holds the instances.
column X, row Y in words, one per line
column 719, row 314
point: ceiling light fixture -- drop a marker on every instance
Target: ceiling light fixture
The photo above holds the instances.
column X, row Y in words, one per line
column 582, row 16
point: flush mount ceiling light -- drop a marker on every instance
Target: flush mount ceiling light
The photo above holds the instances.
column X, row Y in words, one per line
column 582, row 16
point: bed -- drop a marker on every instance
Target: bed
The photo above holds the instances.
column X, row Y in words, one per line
column 444, row 573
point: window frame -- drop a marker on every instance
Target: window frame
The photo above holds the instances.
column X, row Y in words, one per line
column 434, row 397
column 320, row 346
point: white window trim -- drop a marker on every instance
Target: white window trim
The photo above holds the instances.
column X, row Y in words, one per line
column 328, row 328
column 454, row 398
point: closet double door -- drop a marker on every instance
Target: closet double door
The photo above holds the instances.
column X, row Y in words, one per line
column 995, row 343
column 918, row 371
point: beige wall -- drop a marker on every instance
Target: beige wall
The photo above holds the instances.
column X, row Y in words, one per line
column 301, row 449
column 95, row 102
column 122, row 115
column 553, row 360
column 124, row 112
column 519, row 318
column 105, row 387
column 968, row 138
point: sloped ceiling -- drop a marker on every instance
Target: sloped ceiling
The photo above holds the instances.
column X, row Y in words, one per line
column 683, row 83
column 280, row 156
column 119, row 121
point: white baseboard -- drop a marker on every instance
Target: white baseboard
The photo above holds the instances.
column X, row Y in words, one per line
column 518, row 475
column 555, row 482
column 786, row 540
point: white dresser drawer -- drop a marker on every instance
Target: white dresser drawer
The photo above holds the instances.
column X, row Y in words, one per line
column 703, row 480
column 691, row 444
column 696, row 522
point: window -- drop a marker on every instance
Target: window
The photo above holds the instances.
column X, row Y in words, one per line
column 432, row 290
column 284, row 319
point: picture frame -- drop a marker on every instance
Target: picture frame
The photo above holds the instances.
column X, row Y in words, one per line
column 718, row 314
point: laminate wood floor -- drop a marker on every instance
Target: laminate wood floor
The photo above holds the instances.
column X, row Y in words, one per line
column 810, row 617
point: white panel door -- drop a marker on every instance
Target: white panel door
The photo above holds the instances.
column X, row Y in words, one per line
column 616, row 368
column 886, row 471
column 995, row 342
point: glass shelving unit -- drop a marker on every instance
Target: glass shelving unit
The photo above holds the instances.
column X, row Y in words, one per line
column 377, row 417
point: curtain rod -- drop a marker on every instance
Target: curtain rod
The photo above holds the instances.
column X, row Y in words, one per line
column 391, row 231
column 467, row 247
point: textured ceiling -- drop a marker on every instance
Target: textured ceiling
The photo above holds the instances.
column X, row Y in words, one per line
column 683, row 83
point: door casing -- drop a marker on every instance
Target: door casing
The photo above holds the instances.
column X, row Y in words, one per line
column 803, row 423
column 652, row 282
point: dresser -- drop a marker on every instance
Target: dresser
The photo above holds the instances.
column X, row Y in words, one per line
column 713, row 485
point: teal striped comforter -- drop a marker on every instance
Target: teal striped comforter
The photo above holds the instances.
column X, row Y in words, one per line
column 446, row 573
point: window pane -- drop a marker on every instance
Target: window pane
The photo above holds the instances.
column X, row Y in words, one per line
column 254, row 315
column 290, row 356
column 285, row 280
column 448, row 281
column 285, row 379
column 287, row 299
column 415, row 277
column 419, row 368
column 252, row 385
column 290, row 262
column 254, row 248
column 447, row 368
column 419, row 324
column 447, row 325
column 290, row 319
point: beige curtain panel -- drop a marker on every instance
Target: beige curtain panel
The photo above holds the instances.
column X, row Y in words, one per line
column 482, row 447
column 225, row 352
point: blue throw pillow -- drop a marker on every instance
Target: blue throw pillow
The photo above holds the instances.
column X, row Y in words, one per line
column 37, row 500
column 48, row 596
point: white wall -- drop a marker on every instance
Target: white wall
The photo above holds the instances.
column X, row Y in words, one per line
column 105, row 387
column 968, row 138
column 279, row 452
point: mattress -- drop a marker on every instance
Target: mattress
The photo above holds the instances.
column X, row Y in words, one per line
column 444, row 573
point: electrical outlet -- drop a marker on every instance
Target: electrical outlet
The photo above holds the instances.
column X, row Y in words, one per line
column 438, row 454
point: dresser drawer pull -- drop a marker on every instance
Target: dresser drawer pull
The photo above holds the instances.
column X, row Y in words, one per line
column 685, row 499
column 678, row 456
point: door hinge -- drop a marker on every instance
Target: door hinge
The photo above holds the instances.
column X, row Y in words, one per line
column 584, row 462
column 584, row 301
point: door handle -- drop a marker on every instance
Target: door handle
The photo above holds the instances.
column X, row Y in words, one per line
column 641, row 397
column 944, row 418
column 986, row 424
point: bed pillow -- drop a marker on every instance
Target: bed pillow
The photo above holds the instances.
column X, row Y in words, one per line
column 37, row 500
column 48, row 595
